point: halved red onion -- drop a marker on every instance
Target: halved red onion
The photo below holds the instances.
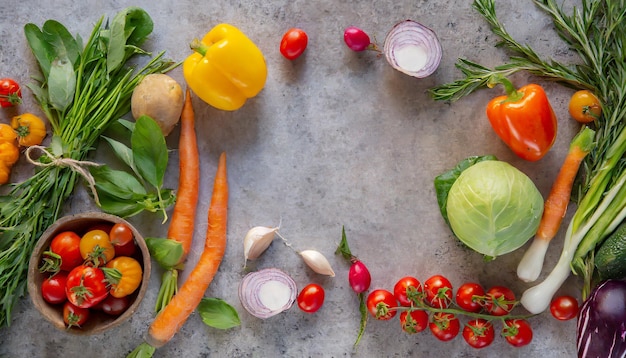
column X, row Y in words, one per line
column 268, row 292
column 413, row 49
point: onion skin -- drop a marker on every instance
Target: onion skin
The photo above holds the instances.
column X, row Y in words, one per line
column 601, row 327
column 411, row 33
column 250, row 287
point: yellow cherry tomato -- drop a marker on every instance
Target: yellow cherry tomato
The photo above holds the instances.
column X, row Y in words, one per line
column 7, row 133
column 96, row 247
column 124, row 274
column 5, row 173
column 30, row 129
column 9, row 153
column 584, row 106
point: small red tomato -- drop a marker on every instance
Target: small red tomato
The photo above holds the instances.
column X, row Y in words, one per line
column 478, row 333
column 53, row 288
column 86, row 286
column 127, row 249
column 359, row 277
column 379, row 303
column 311, row 298
column 74, row 316
column 10, row 93
column 469, row 296
column 407, row 290
column 517, row 332
column 114, row 306
column 438, row 291
column 564, row 308
column 413, row 321
column 294, row 43
column 120, row 234
column 444, row 326
column 499, row 301
column 67, row 245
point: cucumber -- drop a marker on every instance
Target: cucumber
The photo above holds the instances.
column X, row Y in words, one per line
column 610, row 259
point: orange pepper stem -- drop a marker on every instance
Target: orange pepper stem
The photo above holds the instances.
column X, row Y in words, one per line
column 199, row 47
column 513, row 95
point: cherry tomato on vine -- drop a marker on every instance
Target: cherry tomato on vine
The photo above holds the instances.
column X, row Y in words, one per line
column 96, row 247
column 584, row 106
column 66, row 245
column 379, row 303
column 407, row 290
column 438, row 291
column 74, row 316
column 121, row 234
column 86, row 286
column 564, row 308
column 444, row 326
column 10, row 93
column 469, row 296
column 517, row 332
column 311, row 298
column 413, row 321
column 499, row 300
column 53, row 288
column 478, row 333
column 293, row 43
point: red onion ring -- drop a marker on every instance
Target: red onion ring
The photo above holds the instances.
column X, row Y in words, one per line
column 260, row 292
column 413, row 49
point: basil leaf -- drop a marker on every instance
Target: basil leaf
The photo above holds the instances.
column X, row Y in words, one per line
column 165, row 251
column 149, row 150
column 124, row 208
column 444, row 182
column 61, row 84
column 116, row 182
column 217, row 313
column 122, row 151
column 40, row 47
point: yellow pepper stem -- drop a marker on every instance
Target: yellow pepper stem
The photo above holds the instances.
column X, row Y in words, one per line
column 199, row 47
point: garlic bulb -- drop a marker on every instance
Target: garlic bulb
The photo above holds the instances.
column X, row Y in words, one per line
column 317, row 262
column 257, row 240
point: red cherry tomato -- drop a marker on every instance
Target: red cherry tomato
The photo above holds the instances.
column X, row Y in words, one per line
column 499, row 301
column 53, row 288
column 86, row 286
column 120, row 234
column 469, row 296
column 127, row 249
column 444, row 326
column 293, row 43
column 438, row 291
column 517, row 332
column 407, row 290
column 74, row 316
column 379, row 303
column 311, row 298
column 114, row 306
column 478, row 333
column 67, row 245
column 413, row 321
column 10, row 93
column 564, row 308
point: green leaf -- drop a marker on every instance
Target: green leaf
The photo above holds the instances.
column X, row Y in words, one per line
column 122, row 151
column 144, row 350
column 444, row 182
column 149, row 150
column 165, row 252
column 130, row 26
column 61, row 84
column 117, row 183
column 122, row 208
column 61, row 41
column 343, row 247
column 217, row 313
column 43, row 51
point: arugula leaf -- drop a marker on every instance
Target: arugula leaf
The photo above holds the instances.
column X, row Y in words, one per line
column 149, row 151
column 217, row 313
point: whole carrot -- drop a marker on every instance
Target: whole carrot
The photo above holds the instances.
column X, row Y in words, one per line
column 182, row 224
column 555, row 206
column 174, row 315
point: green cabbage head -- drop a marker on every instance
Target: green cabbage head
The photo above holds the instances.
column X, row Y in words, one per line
column 494, row 208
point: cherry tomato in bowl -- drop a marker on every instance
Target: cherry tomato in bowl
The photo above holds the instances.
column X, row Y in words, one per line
column 86, row 286
column 75, row 316
column 53, row 288
column 293, row 43
column 66, row 245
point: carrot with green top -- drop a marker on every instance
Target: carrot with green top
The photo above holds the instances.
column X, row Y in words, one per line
column 555, row 206
column 175, row 314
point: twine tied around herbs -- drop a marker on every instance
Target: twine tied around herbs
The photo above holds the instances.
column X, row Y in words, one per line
column 76, row 165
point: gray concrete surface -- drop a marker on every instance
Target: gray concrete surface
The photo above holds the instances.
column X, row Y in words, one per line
column 336, row 138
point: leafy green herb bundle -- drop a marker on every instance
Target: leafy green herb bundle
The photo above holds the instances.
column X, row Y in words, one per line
column 596, row 31
column 83, row 89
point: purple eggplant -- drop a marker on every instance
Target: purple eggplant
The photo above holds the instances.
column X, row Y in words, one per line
column 601, row 328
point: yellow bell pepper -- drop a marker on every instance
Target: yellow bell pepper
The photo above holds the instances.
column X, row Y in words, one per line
column 226, row 68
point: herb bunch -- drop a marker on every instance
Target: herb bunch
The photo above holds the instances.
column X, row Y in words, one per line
column 82, row 90
column 596, row 31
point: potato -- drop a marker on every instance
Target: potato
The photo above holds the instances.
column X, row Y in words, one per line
column 160, row 97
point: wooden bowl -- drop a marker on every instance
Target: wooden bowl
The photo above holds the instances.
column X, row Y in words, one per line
column 98, row 321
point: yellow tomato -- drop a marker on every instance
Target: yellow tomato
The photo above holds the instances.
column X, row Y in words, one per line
column 96, row 247
column 5, row 173
column 9, row 153
column 124, row 274
column 584, row 106
column 30, row 129
column 7, row 134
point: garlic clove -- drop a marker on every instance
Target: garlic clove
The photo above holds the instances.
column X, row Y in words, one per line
column 257, row 240
column 317, row 262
